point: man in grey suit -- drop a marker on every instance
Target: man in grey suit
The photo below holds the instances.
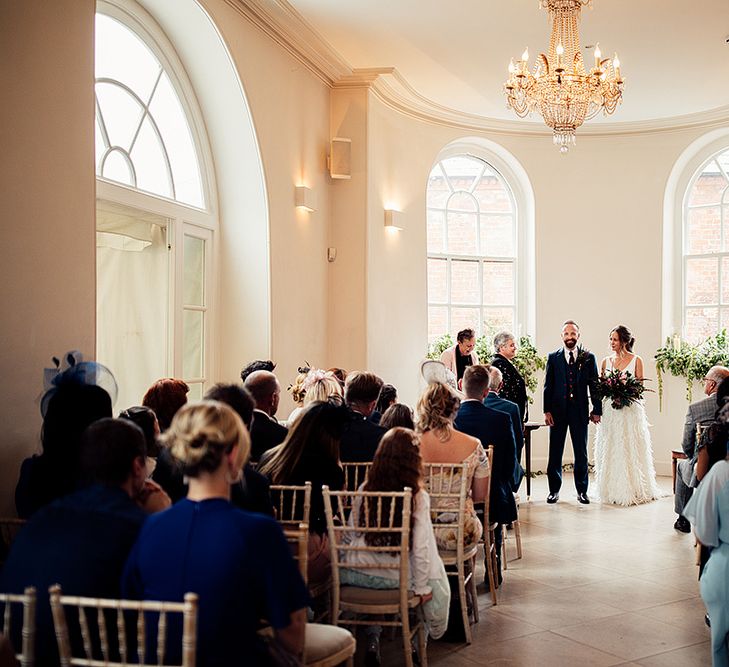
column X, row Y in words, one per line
column 700, row 413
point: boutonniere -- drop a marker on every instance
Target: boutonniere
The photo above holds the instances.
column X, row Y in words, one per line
column 583, row 355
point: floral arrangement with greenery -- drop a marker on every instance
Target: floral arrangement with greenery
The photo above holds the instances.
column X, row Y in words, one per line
column 527, row 360
column 681, row 359
column 620, row 388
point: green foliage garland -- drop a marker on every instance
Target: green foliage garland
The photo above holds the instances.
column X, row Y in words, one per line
column 692, row 362
column 527, row 360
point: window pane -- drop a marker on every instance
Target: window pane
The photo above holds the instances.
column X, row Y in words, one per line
column 118, row 168
column 464, row 282
column 463, row 171
column 497, row 319
column 725, row 223
column 725, row 280
column 700, row 324
column 194, row 271
column 170, row 118
column 702, row 281
column 149, row 162
column 436, row 231
column 492, row 195
column 464, row 318
column 138, row 68
column 709, row 186
column 437, row 281
column 497, row 235
column 196, row 391
column 437, row 322
column 462, row 234
column 703, row 230
column 498, row 283
column 438, row 189
column 724, row 318
column 723, row 161
column 192, row 343
column 462, row 202
column 121, row 113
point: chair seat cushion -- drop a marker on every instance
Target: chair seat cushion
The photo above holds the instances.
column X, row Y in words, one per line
column 451, row 555
column 325, row 641
column 357, row 595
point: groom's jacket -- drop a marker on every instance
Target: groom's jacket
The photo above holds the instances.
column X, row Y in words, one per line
column 556, row 394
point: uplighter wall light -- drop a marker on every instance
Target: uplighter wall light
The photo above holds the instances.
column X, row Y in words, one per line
column 392, row 219
column 305, row 198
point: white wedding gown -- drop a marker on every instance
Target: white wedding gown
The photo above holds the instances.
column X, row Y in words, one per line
column 624, row 469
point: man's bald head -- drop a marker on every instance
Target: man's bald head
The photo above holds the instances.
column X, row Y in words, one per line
column 265, row 389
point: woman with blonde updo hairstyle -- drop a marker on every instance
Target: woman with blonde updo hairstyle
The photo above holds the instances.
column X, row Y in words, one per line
column 440, row 442
column 321, row 386
column 238, row 562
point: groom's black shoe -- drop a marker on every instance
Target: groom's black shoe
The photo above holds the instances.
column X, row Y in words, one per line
column 582, row 497
column 553, row 497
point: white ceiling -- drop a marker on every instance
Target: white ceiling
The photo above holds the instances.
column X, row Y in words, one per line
column 673, row 53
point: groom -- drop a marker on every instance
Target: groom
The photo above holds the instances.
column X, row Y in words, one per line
column 571, row 372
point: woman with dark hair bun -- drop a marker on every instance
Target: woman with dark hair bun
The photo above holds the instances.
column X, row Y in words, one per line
column 623, row 452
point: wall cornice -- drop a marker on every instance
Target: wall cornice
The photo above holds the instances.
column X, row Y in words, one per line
column 281, row 22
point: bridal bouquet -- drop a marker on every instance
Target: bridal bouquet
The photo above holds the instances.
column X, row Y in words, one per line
column 620, row 388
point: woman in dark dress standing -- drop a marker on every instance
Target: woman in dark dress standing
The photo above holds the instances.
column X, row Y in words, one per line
column 514, row 388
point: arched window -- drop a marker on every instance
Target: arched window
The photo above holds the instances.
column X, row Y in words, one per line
column 706, row 250
column 156, row 211
column 472, row 248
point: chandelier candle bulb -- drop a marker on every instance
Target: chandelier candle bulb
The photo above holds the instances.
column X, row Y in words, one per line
column 616, row 65
column 598, row 55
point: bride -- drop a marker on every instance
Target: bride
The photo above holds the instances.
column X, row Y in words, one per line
column 623, row 453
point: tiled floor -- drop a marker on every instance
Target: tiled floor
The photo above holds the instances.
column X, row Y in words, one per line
column 598, row 585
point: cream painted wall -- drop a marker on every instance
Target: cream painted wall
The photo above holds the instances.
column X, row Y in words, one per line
column 47, row 249
column 598, row 248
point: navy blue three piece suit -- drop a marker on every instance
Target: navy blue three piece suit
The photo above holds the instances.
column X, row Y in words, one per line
column 566, row 388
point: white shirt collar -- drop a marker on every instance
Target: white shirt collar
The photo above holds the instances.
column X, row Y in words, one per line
column 575, row 351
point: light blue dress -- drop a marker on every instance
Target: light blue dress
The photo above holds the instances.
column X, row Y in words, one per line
column 708, row 511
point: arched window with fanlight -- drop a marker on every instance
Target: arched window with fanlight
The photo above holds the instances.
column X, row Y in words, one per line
column 472, row 237
column 706, row 250
column 156, row 209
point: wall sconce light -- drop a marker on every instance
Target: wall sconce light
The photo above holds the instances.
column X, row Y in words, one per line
column 392, row 219
column 305, row 198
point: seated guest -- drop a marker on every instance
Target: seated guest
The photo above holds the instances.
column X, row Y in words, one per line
column 398, row 464
column 237, row 562
column 165, row 397
column 441, row 443
column 491, row 427
column 340, row 374
column 708, row 511
column 320, row 386
column 496, row 402
column 513, row 388
column 251, row 492
column 298, row 391
column 257, row 365
column 398, row 414
column 81, row 541
column 699, row 413
column 72, row 406
column 266, row 432
column 147, row 421
column 461, row 355
column 388, row 397
column 310, row 453
column 361, row 436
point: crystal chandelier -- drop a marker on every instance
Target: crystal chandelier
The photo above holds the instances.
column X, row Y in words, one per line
column 560, row 88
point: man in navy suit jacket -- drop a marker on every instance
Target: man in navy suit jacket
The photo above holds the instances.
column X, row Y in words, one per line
column 571, row 372
column 491, row 427
column 494, row 401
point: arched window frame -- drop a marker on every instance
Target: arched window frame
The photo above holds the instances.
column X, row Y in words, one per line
column 685, row 171
column 183, row 219
column 519, row 186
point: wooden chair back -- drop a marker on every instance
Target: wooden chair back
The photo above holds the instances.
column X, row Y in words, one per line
column 447, row 485
column 298, row 539
column 101, row 610
column 27, row 599
column 292, row 504
column 355, row 474
column 378, row 517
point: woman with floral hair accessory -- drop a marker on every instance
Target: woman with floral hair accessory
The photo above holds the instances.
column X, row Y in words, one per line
column 297, row 391
column 320, row 385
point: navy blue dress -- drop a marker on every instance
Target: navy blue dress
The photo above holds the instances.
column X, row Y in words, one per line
column 237, row 562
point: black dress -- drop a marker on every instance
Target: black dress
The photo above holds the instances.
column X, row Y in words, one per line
column 514, row 388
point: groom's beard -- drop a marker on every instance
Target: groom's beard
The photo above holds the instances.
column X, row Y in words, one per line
column 569, row 344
